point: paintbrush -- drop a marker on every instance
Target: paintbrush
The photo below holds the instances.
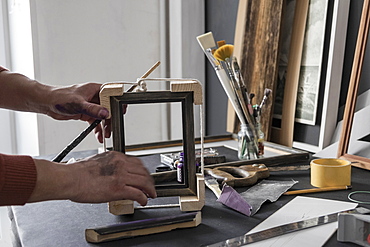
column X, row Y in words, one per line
column 238, row 75
column 314, row 190
column 207, row 43
column 76, row 141
column 251, row 96
column 265, row 96
column 225, row 54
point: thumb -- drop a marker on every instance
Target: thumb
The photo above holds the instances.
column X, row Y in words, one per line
column 94, row 110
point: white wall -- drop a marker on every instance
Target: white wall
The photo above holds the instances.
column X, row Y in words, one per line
column 187, row 59
column 6, row 135
column 93, row 40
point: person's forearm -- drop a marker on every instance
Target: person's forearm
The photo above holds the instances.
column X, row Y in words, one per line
column 18, row 92
column 54, row 182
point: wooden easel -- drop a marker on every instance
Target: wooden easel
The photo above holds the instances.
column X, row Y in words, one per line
column 349, row 110
column 186, row 203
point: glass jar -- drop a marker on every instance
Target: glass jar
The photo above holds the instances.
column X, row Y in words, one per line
column 247, row 146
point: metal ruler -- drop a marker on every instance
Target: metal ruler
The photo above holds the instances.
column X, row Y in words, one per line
column 277, row 231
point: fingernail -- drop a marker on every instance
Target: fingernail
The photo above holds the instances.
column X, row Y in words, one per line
column 104, row 113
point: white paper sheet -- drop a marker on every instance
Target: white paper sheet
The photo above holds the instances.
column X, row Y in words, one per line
column 301, row 208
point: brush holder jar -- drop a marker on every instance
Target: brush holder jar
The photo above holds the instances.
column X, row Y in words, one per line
column 247, row 148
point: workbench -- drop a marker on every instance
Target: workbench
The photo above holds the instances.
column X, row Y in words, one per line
column 63, row 223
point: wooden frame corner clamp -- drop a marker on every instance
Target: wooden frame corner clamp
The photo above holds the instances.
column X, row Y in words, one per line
column 106, row 92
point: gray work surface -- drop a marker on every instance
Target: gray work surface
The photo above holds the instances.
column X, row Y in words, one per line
column 63, row 223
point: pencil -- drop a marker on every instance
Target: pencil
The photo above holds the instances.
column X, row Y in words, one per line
column 306, row 191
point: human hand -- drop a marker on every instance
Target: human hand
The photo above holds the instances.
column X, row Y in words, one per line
column 80, row 102
column 105, row 177
column 113, row 176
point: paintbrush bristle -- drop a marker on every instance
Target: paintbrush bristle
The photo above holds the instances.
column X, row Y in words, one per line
column 224, row 52
column 206, row 40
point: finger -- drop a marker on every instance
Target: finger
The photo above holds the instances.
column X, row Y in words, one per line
column 134, row 194
column 107, row 128
column 143, row 183
column 99, row 136
column 94, row 110
column 124, row 108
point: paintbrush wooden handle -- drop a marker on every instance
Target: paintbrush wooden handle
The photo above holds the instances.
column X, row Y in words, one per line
column 225, row 82
column 145, row 75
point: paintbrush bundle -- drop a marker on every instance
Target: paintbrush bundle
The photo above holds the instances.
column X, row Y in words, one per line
column 228, row 71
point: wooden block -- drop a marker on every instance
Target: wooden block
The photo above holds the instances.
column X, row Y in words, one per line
column 110, row 90
column 121, row 207
column 154, row 226
column 189, row 86
column 194, row 203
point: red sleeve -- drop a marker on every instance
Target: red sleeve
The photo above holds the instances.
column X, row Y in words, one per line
column 17, row 179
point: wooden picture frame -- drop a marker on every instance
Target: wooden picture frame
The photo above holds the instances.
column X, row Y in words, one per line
column 189, row 185
column 349, row 110
column 335, row 59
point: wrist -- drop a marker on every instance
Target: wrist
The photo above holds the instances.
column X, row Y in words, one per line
column 39, row 97
column 54, row 182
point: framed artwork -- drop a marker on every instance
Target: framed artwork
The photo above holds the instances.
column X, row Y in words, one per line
column 332, row 77
column 311, row 62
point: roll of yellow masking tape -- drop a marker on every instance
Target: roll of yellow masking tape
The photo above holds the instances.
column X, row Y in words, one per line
column 330, row 172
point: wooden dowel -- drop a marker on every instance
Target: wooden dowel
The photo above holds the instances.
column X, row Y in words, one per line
column 145, row 75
